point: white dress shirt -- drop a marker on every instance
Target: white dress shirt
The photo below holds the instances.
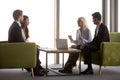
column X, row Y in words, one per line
column 18, row 23
column 97, row 29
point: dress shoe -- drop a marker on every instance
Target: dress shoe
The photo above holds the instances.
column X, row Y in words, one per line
column 87, row 71
column 39, row 73
column 65, row 71
column 44, row 70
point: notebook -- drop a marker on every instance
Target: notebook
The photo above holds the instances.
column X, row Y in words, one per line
column 61, row 44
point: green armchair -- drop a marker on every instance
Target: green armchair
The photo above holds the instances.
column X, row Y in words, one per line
column 18, row 55
column 109, row 52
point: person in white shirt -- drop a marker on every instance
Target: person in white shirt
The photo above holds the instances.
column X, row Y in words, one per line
column 25, row 31
column 83, row 36
column 38, row 70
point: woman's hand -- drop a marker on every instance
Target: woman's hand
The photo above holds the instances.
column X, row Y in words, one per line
column 82, row 47
column 81, row 38
column 70, row 37
column 38, row 46
column 73, row 46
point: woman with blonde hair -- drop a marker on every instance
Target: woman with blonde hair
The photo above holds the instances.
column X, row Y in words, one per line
column 83, row 36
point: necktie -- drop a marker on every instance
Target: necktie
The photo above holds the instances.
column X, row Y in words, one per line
column 96, row 30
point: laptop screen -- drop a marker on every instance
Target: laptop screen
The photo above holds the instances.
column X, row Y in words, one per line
column 61, row 44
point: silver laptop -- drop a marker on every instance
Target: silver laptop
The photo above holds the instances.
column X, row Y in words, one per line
column 61, row 44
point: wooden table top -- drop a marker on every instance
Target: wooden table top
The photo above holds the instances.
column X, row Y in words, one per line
column 55, row 50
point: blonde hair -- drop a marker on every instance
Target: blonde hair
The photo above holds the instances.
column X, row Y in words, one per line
column 83, row 20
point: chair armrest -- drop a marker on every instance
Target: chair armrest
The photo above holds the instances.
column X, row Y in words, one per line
column 17, row 55
column 3, row 41
column 110, row 52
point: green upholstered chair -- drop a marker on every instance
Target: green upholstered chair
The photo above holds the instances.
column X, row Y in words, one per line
column 18, row 55
column 109, row 54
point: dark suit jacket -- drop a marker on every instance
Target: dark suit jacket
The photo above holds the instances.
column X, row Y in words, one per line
column 14, row 34
column 102, row 36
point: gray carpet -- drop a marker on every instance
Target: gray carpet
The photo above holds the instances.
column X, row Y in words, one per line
column 108, row 73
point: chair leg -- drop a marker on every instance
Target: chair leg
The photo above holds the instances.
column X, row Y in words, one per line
column 32, row 72
column 100, row 70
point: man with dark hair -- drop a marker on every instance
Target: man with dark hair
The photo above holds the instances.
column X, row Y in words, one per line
column 17, row 13
column 15, row 35
column 97, row 15
column 101, row 35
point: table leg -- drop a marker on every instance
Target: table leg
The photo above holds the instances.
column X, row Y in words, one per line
column 79, row 64
column 46, row 62
column 63, row 61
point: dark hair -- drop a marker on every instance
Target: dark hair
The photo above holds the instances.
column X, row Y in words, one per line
column 97, row 15
column 25, row 26
column 17, row 13
column 25, row 17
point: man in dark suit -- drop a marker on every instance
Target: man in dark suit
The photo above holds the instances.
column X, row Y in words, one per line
column 15, row 35
column 101, row 35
